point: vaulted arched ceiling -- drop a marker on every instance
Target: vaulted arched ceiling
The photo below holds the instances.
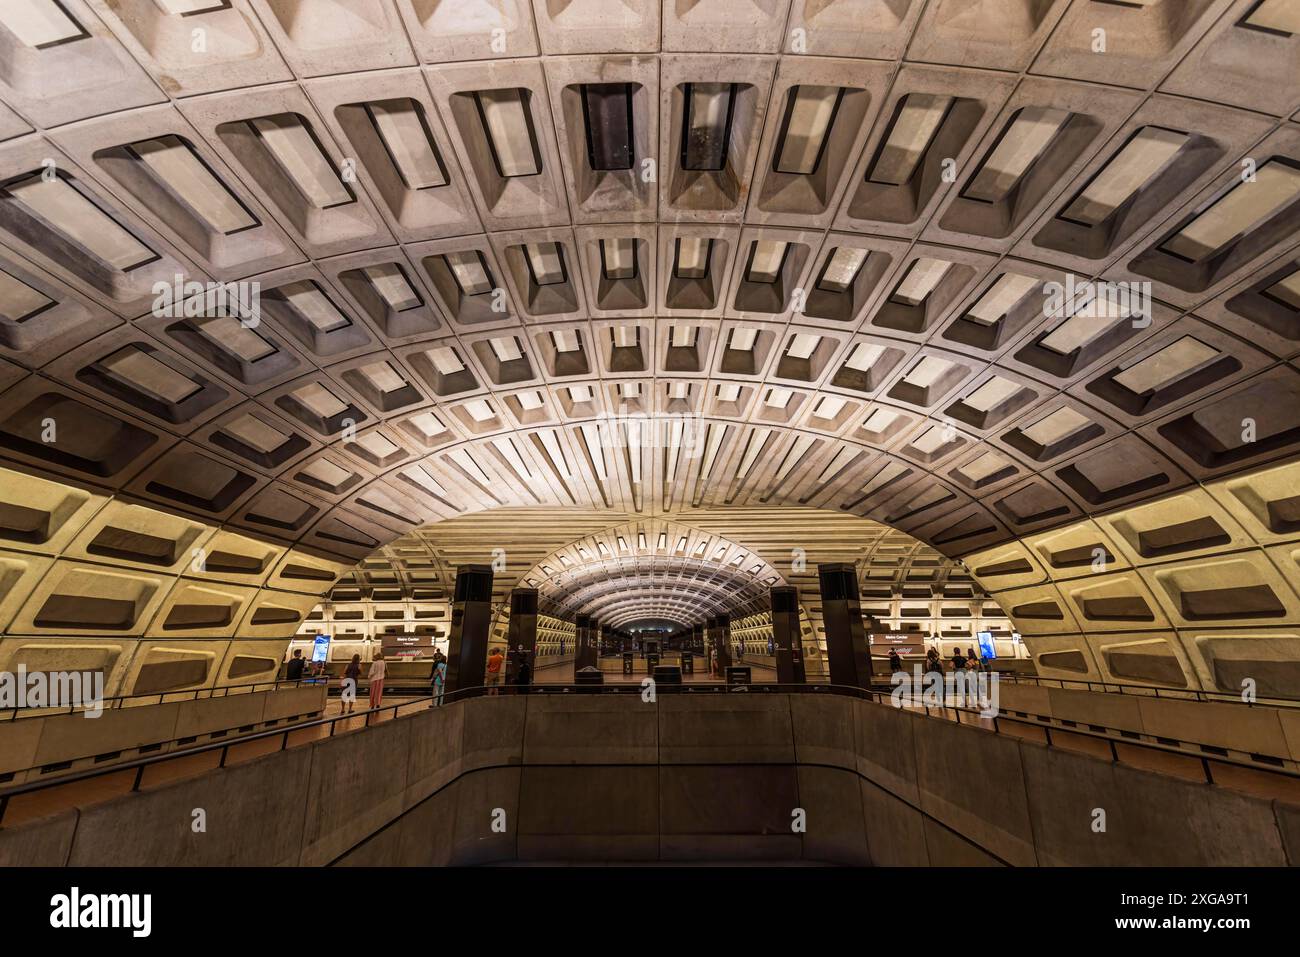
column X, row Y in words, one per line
column 644, row 259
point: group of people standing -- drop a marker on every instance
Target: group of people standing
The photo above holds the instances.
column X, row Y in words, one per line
column 934, row 661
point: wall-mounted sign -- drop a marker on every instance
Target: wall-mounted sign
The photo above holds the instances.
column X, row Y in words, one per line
column 408, row 646
column 904, row 642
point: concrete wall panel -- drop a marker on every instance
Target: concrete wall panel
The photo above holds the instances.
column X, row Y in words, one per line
column 723, row 813
column 895, row 830
column 832, row 801
column 255, row 815
column 357, row 786
column 589, row 814
column 971, row 780
column 824, row 730
column 886, row 751
column 735, row 727
column 1150, row 818
column 600, row 729
column 43, row 843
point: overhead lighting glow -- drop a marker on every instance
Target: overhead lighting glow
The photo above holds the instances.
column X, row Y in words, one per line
column 309, row 301
column 915, row 124
column 405, row 135
column 390, row 282
column 842, row 269
column 618, row 258
column 470, row 272
column 809, row 113
column 1026, row 139
column 545, row 263
column 509, row 129
column 19, row 301
column 1000, row 297
column 1051, row 429
column 58, row 204
column 766, row 258
column 692, row 257
column 921, row 279
column 1139, row 161
column 1237, row 212
column 290, row 142
column 174, row 162
column 39, row 23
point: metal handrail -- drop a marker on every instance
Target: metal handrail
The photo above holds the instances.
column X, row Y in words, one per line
column 990, row 724
column 117, row 702
column 1170, row 694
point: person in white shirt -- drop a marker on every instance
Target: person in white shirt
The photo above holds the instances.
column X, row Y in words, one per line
column 378, row 669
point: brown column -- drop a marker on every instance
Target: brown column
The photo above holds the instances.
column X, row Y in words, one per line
column 471, row 620
column 522, row 634
column 786, row 636
column 846, row 639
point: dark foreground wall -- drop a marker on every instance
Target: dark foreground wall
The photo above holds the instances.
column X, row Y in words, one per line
column 690, row 777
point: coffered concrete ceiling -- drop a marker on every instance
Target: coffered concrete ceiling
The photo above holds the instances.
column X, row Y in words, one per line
column 628, row 262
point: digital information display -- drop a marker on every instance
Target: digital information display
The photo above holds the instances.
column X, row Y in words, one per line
column 320, row 649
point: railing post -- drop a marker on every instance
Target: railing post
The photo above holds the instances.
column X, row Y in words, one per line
column 139, row 776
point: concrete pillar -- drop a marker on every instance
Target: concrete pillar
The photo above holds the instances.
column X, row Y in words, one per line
column 522, row 634
column 584, row 651
column 719, row 631
column 786, row 636
column 471, row 620
column 846, row 640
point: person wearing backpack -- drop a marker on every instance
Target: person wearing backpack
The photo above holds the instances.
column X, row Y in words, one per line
column 439, row 678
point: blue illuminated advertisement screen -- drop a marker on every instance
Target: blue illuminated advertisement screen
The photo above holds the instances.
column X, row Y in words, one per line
column 320, row 648
column 986, row 644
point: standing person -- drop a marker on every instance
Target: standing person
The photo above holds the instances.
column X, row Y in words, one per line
column 351, row 673
column 958, row 660
column 296, row 664
column 895, row 661
column 524, row 676
column 439, row 678
column 378, row 668
column 972, row 663
column 493, row 677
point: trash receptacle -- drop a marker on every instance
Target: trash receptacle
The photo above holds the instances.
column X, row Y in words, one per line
column 651, row 662
column 738, row 675
column 629, row 663
column 688, row 663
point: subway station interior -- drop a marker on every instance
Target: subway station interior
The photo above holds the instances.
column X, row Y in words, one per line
column 573, row 432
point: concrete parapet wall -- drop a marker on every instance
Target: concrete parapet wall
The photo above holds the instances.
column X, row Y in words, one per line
column 34, row 742
column 1254, row 730
column 734, row 777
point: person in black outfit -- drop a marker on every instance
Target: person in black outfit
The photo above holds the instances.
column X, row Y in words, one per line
column 958, row 660
column 895, row 662
column 296, row 664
